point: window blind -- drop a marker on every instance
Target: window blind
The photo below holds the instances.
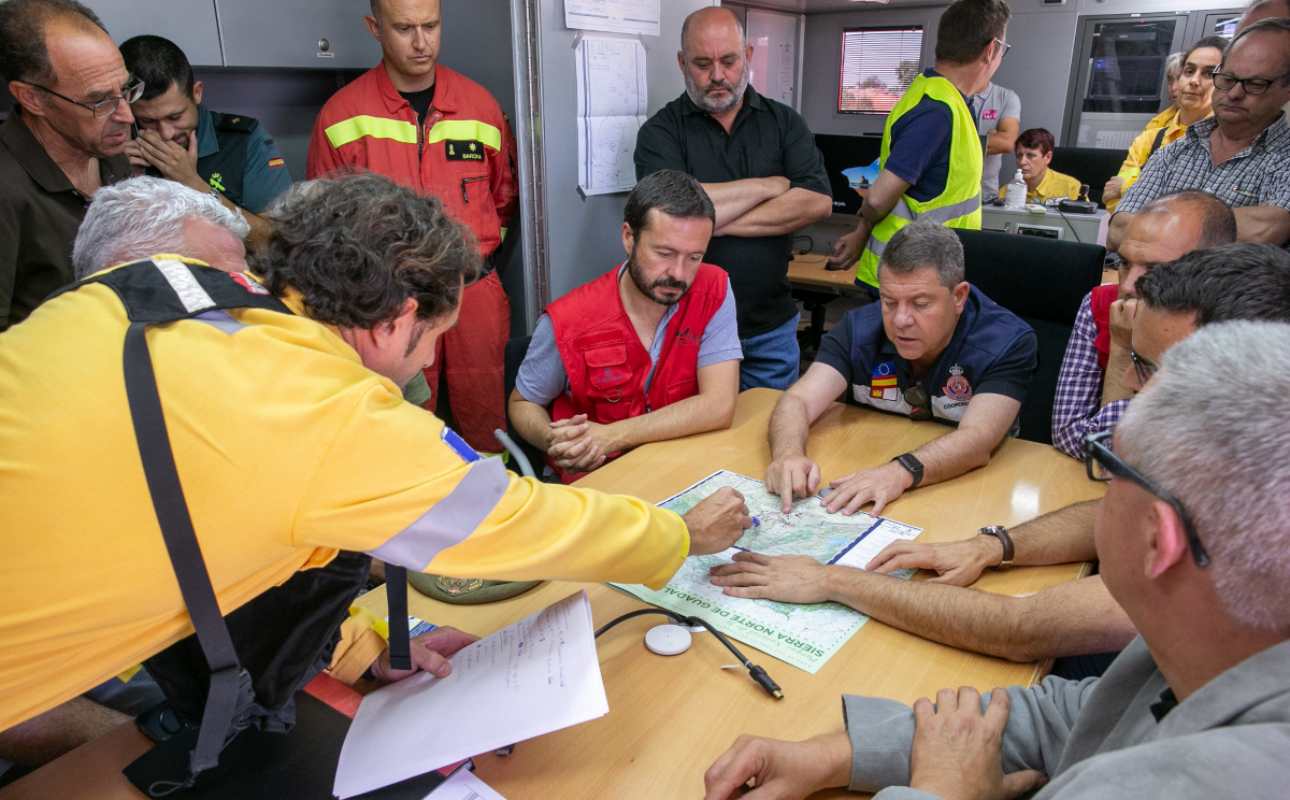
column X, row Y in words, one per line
column 878, row 64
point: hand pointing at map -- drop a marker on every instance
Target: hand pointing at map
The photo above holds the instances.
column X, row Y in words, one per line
column 717, row 521
column 792, row 477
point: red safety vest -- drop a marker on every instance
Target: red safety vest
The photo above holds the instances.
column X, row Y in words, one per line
column 1100, row 304
column 607, row 365
column 463, row 153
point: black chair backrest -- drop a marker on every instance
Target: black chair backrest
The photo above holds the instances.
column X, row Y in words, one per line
column 1092, row 165
column 516, row 349
column 1043, row 281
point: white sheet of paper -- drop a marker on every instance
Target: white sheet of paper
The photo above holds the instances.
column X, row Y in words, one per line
column 617, row 16
column 538, row 675
column 612, row 94
column 464, row 785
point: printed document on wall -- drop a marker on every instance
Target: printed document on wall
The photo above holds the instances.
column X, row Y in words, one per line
column 611, row 109
column 615, row 16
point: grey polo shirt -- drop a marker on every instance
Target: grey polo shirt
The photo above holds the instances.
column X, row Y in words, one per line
column 992, row 105
column 39, row 214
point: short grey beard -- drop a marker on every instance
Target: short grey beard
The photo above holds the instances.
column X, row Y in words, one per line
column 701, row 100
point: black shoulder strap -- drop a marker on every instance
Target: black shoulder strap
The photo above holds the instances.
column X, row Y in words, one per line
column 159, row 292
column 1160, row 138
column 396, row 601
column 228, row 680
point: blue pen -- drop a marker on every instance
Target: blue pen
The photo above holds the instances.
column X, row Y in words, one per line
column 756, row 522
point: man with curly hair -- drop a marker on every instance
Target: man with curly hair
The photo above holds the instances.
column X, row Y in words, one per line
column 306, row 457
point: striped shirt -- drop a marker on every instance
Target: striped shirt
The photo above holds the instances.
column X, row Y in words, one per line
column 1259, row 175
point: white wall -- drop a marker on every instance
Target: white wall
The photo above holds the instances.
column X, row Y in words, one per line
column 582, row 233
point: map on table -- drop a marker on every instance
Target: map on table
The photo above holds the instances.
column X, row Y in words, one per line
column 805, row 636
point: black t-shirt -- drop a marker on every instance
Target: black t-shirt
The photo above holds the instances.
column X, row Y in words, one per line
column 420, row 102
column 768, row 138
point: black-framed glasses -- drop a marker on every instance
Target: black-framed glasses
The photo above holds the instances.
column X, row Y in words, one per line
column 920, row 403
column 1223, row 81
column 1103, row 465
column 1006, row 47
column 1142, row 367
column 132, row 91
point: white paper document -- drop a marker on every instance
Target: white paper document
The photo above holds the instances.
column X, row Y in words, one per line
column 615, row 16
column 612, row 97
column 536, row 676
column 464, row 785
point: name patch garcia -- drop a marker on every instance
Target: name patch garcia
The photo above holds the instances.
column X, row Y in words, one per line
column 463, row 150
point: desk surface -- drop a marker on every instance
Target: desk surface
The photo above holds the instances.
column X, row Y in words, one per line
column 670, row 718
column 807, row 271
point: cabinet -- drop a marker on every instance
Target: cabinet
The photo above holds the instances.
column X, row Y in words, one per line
column 188, row 23
column 299, row 34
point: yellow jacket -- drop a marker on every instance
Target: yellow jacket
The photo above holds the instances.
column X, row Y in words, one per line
column 288, row 449
column 1141, row 150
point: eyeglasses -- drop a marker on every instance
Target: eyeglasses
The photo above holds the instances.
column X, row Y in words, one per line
column 101, row 108
column 1142, row 367
column 1103, row 465
column 920, row 404
column 1006, row 47
column 1223, row 81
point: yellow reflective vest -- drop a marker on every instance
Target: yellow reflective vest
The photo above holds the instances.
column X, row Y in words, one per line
column 959, row 205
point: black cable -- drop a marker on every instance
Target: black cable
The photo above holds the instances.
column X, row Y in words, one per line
column 1062, row 214
column 755, row 672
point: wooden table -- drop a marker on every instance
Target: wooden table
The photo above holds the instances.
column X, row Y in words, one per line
column 816, row 287
column 808, row 271
column 670, row 718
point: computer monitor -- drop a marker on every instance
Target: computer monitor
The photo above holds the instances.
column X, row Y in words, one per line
column 841, row 153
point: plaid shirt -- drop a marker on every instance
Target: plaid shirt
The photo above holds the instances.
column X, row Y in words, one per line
column 1259, row 175
column 1077, row 405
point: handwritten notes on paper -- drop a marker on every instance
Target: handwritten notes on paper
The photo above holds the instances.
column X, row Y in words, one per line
column 536, row 676
column 611, row 109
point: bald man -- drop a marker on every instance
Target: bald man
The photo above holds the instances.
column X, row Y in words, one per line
column 1091, row 393
column 758, row 162
column 65, row 139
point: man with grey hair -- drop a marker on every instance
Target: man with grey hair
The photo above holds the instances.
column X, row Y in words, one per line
column 1199, row 705
column 308, row 355
column 933, row 347
column 758, row 162
column 144, row 216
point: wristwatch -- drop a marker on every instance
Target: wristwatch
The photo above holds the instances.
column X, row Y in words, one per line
column 915, row 467
column 1001, row 533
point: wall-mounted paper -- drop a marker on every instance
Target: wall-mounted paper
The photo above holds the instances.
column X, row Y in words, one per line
column 612, row 96
column 615, row 16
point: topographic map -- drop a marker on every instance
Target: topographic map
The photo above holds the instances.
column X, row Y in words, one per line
column 805, row 636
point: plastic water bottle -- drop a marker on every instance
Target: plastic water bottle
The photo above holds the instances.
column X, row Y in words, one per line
column 1016, row 196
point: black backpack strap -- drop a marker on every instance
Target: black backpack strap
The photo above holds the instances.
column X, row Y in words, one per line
column 228, row 679
column 1159, row 140
column 396, row 599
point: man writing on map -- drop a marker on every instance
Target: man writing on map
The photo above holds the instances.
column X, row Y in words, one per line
column 933, row 347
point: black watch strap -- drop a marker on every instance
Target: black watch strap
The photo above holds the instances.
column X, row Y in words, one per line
column 911, row 463
column 1001, row 533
